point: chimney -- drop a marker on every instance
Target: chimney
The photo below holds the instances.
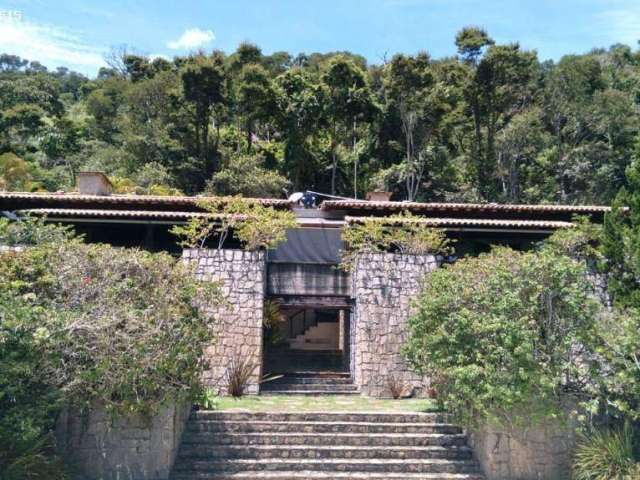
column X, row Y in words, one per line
column 378, row 196
column 94, row 183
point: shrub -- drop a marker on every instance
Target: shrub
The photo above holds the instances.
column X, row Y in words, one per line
column 86, row 325
column 504, row 331
column 606, row 455
column 253, row 224
column 238, row 374
column 403, row 233
column 398, row 387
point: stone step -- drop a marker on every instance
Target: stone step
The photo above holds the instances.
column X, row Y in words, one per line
column 259, row 426
column 325, row 439
column 314, row 452
column 368, row 417
column 319, row 387
column 308, row 392
column 284, row 475
column 317, row 374
column 305, row 380
column 330, row 465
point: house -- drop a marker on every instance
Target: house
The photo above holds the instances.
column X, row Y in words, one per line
column 346, row 325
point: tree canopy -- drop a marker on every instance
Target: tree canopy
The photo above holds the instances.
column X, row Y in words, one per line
column 493, row 123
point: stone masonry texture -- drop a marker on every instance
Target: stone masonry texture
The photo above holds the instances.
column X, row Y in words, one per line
column 99, row 447
column 238, row 326
column 384, row 288
column 542, row 451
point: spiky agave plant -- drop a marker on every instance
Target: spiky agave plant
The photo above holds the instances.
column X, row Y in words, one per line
column 606, row 455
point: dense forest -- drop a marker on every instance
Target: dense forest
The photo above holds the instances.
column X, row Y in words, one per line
column 492, row 123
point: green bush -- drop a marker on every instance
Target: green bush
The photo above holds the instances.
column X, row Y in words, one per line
column 91, row 325
column 606, row 455
column 503, row 332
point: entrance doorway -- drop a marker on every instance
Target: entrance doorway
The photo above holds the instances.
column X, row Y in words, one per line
column 306, row 339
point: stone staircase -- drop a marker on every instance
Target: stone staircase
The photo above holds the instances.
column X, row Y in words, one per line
column 313, row 446
column 310, row 383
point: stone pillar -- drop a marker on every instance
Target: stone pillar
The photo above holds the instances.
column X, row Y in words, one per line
column 239, row 318
column 384, row 287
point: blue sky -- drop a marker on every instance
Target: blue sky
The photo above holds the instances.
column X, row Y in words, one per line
column 78, row 34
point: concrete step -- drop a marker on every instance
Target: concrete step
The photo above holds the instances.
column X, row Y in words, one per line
column 307, row 475
column 385, row 417
column 305, row 380
column 308, row 392
column 314, row 452
column 330, row 465
column 259, row 426
column 318, row 387
column 325, row 439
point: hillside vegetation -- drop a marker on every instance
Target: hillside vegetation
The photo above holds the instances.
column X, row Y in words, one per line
column 493, row 123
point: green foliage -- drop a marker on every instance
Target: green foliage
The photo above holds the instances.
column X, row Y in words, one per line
column 606, row 455
column 403, row 233
column 121, row 325
column 246, row 175
column 272, row 320
column 255, row 225
column 491, row 124
column 89, row 325
column 617, row 385
column 502, row 332
column 28, row 401
column 32, row 231
column 208, row 399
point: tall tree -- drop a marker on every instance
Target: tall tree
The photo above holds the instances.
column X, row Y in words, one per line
column 203, row 86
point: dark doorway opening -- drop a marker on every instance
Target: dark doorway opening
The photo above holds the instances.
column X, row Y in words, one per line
column 306, row 339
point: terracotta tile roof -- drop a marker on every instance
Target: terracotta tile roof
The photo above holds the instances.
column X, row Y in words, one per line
column 10, row 198
column 117, row 214
column 459, row 207
column 471, row 222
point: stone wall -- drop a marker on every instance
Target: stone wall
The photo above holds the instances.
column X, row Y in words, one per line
column 239, row 319
column 384, row 287
column 98, row 447
column 537, row 452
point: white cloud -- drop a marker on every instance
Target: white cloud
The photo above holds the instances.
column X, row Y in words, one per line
column 192, row 38
column 50, row 45
column 621, row 24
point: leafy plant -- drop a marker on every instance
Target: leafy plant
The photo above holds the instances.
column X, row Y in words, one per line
column 404, row 233
column 208, row 399
column 32, row 231
column 253, row 224
column 504, row 331
column 238, row 375
column 272, row 318
column 606, row 455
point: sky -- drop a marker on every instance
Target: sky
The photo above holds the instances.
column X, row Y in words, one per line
column 78, row 34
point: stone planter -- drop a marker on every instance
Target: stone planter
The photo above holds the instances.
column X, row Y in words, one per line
column 542, row 451
column 99, row 447
column 238, row 326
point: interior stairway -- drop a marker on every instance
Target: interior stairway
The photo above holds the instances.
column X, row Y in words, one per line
column 310, row 383
column 314, row 446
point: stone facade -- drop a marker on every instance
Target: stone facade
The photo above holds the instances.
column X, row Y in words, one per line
column 537, row 452
column 384, row 287
column 99, row 447
column 238, row 331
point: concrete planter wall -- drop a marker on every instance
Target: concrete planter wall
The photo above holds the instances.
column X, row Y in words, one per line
column 384, row 288
column 98, row 447
column 238, row 331
column 537, row 452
